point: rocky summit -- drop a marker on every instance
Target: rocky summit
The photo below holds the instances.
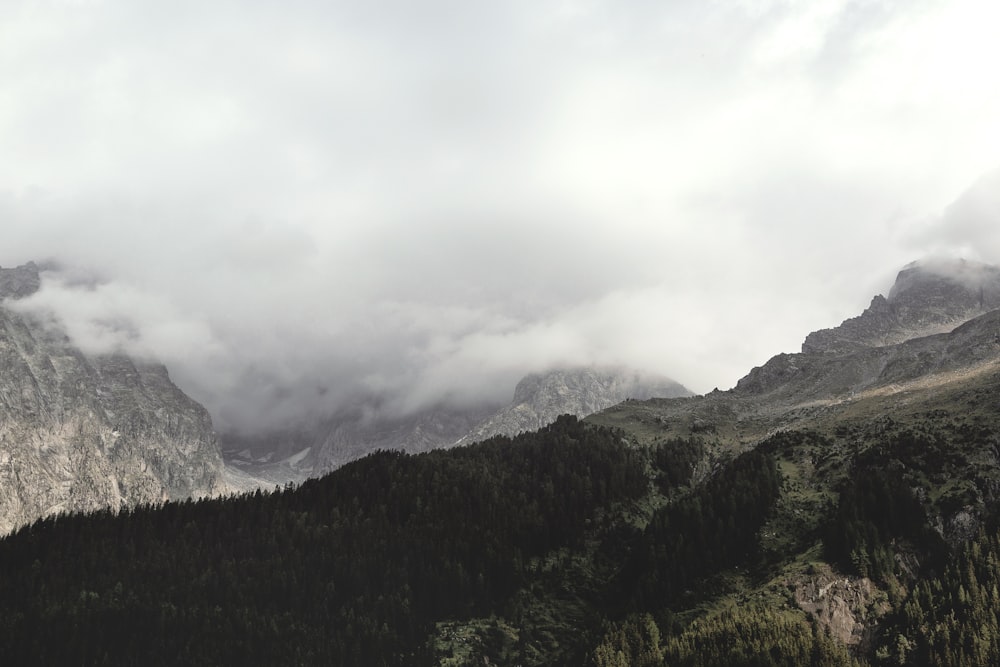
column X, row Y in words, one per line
column 81, row 432
column 939, row 325
column 928, row 297
column 541, row 397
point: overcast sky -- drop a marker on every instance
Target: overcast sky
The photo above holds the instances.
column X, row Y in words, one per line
column 291, row 202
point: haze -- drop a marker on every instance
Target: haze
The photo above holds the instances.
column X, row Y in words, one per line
column 291, row 204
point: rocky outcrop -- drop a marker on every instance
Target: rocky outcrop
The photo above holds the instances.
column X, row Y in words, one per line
column 927, row 298
column 847, row 606
column 540, row 398
column 20, row 281
column 81, row 432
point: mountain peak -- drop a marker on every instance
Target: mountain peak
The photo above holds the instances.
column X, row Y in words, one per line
column 541, row 397
column 929, row 297
column 20, row 281
column 942, row 279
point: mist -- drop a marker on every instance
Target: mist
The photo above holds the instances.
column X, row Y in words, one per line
column 296, row 207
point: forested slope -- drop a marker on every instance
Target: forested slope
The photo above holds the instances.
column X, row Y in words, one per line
column 874, row 542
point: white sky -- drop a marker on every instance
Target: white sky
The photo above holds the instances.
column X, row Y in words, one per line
column 293, row 202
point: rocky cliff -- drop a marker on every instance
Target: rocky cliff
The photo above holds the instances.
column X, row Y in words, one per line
column 81, row 432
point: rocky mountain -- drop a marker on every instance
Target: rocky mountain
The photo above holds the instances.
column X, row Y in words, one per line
column 294, row 455
column 541, row 397
column 940, row 322
column 928, row 297
column 81, row 432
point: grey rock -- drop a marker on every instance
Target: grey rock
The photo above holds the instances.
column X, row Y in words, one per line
column 927, row 298
column 838, row 374
column 80, row 433
column 19, row 282
column 540, row 398
column 846, row 606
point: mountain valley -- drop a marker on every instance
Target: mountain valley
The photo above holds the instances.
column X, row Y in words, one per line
column 295, row 455
column 838, row 506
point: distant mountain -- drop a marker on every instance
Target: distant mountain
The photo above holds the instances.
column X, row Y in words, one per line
column 81, row 432
column 294, row 455
column 541, row 397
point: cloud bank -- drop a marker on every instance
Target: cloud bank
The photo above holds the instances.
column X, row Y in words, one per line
column 291, row 206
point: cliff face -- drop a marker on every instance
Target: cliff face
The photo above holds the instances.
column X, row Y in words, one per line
column 84, row 433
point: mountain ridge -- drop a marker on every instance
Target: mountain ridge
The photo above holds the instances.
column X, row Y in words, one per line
column 926, row 298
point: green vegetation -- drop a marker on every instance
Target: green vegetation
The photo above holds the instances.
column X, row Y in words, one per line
column 950, row 619
column 755, row 635
column 354, row 568
column 712, row 529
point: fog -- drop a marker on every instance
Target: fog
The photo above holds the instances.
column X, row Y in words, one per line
column 295, row 205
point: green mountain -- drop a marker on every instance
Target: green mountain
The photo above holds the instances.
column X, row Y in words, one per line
column 837, row 507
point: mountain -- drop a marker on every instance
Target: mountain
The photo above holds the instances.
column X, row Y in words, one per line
column 840, row 506
column 928, row 297
column 938, row 326
column 539, row 398
column 81, row 432
column 898, row 406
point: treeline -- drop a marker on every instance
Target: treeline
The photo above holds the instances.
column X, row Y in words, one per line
column 351, row 569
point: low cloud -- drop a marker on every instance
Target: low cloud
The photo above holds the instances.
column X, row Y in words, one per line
column 294, row 207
